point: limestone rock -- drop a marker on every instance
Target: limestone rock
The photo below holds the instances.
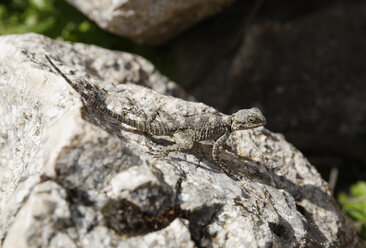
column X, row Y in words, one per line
column 71, row 177
column 151, row 22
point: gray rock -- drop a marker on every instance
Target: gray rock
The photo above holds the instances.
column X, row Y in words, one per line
column 151, row 22
column 73, row 178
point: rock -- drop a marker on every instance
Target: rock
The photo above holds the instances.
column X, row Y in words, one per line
column 72, row 177
column 151, row 22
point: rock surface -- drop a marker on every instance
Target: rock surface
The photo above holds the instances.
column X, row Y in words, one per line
column 145, row 21
column 73, row 178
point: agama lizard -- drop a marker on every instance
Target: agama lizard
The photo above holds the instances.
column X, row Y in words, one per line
column 185, row 131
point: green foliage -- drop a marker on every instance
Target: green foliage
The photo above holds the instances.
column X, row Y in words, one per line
column 355, row 205
column 56, row 19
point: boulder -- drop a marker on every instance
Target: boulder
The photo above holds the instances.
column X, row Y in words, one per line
column 151, row 22
column 72, row 177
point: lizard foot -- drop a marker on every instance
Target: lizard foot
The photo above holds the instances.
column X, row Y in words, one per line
column 159, row 153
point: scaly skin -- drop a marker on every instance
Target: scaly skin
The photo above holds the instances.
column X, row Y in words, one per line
column 185, row 131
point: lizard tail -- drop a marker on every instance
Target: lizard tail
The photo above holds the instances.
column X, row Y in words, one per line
column 157, row 128
column 91, row 100
column 143, row 126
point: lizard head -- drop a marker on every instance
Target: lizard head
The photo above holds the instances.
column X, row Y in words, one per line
column 247, row 119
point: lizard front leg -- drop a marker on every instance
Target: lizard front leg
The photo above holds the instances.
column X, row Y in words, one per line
column 219, row 142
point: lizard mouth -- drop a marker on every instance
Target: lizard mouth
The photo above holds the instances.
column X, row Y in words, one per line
column 256, row 125
column 260, row 124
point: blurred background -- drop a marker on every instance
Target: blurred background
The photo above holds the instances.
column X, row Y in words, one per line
column 302, row 62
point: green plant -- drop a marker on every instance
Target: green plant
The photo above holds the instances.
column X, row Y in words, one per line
column 48, row 17
column 355, row 204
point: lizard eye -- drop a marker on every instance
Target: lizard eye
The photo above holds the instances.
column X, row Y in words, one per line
column 251, row 119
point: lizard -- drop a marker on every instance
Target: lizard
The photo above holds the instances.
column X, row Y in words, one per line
column 186, row 130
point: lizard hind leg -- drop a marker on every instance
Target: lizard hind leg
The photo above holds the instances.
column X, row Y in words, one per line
column 164, row 116
column 183, row 141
